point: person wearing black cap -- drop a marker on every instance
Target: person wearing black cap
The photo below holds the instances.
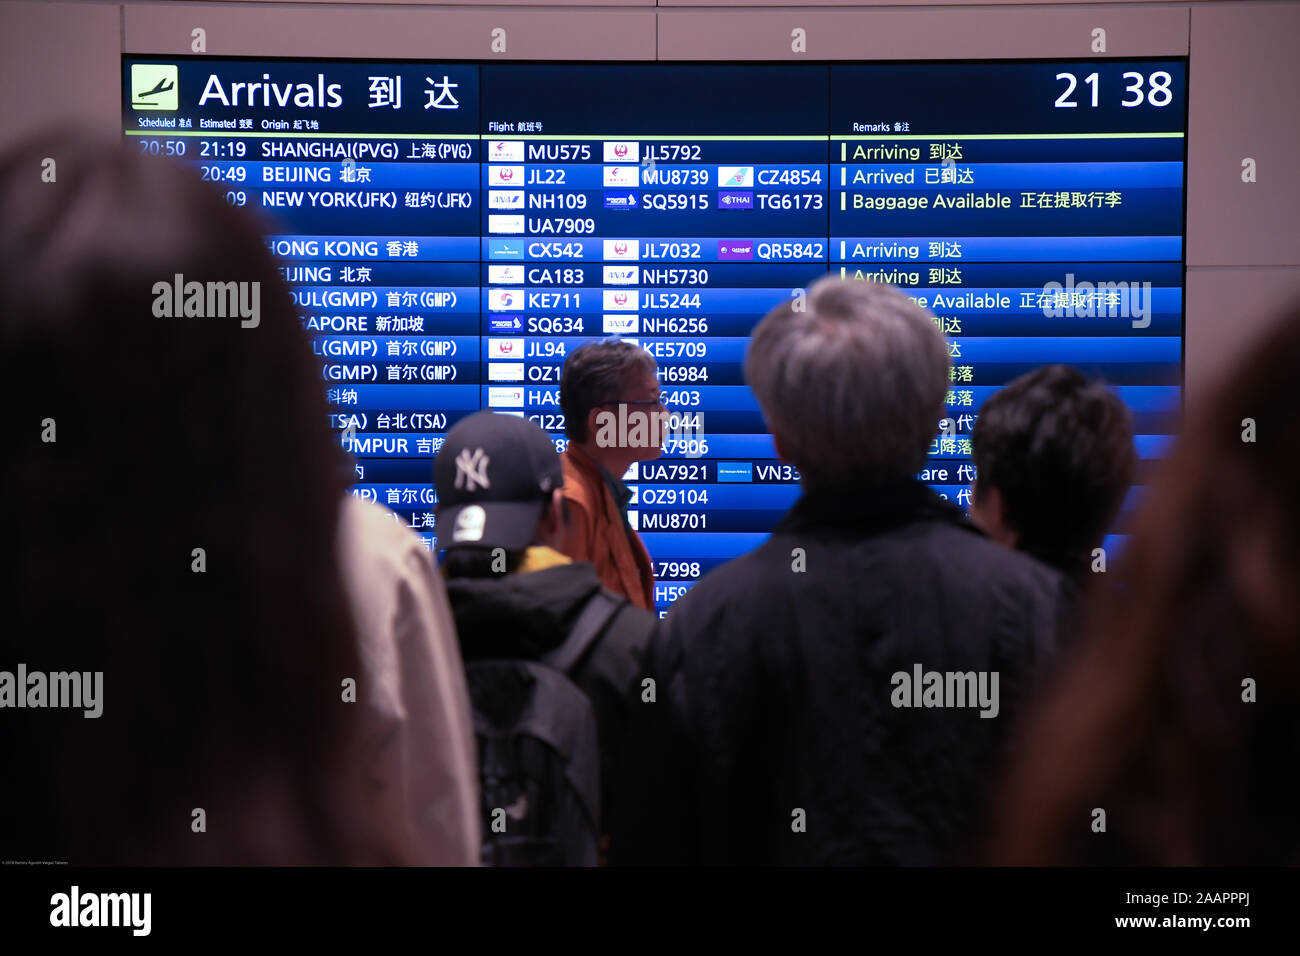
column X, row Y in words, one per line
column 515, row 597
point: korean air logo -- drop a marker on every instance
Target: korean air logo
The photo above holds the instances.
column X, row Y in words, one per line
column 503, row 300
column 622, row 151
column 505, row 151
column 735, row 177
column 506, row 175
column 505, row 348
column 629, row 250
column 155, row 87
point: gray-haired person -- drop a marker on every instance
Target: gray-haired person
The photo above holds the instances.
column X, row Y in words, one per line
column 839, row 695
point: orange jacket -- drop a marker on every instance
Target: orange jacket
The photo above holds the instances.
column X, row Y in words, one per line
column 597, row 533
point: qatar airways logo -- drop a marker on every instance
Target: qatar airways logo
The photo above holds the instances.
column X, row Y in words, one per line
column 269, row 93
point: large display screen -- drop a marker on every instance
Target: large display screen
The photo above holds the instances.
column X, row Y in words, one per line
column 453, row 230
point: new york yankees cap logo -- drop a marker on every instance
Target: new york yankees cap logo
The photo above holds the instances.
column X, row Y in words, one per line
column 493, row 475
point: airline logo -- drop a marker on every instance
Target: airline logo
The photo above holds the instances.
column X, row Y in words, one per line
column 619, row 301
column 505, row 348
column 506, row 372
column 505, row 249
column 512, row 414
column 505, row 300
column 505, row 175
column 505, row 199
column 622, row 324
column 633, row 473
column 505, row 151
column 505, row 396
column 505, row 275
column 636, row 497
column 621, row 200
column 505, row 323
column 735, row 177
column 622, row 275
column 155, row 87
column 622, row 151
column 735, row 471
column 627, row 250
column 634, row 520
column 504, row 223
column 625, row 176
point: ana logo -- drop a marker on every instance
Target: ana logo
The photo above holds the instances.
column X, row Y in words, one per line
column 471, row 470
column 155, row 87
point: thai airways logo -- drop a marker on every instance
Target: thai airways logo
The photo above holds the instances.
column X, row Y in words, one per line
column 735, row 177
column 155, row 86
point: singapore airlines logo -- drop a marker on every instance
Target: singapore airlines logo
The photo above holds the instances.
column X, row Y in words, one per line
column 471, row 469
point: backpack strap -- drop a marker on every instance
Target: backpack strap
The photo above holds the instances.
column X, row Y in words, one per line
column 595, row 614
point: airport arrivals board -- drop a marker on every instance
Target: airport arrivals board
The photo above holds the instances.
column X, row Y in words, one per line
column 451, row 231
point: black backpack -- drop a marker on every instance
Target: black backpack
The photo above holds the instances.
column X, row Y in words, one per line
column 539, row 758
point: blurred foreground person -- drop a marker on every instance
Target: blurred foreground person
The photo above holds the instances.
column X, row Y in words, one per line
column 1053, row 453
column 175, row 669
column 613, row 416
column 551, row 654
column 1174, row 738
column 840, row 694
column 417, row 732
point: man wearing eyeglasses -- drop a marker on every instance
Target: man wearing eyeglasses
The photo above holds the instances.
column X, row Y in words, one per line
column 613, row 417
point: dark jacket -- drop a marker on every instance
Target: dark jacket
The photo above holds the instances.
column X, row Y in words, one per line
column 775, row 689
column 528, row 613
